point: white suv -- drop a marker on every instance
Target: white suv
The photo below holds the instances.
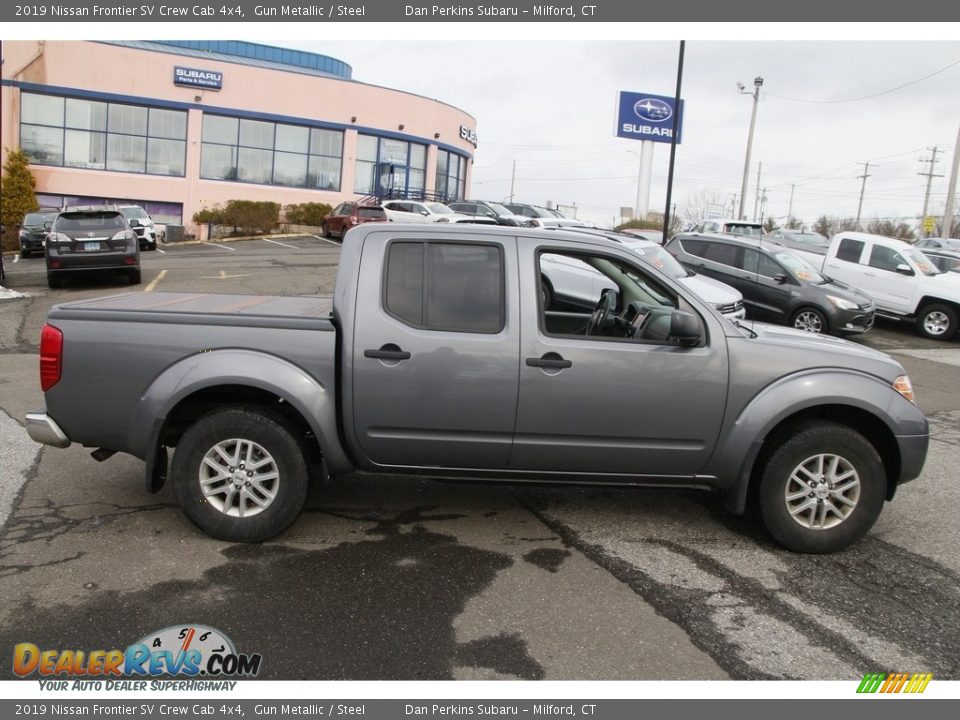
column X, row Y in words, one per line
column 142, row 225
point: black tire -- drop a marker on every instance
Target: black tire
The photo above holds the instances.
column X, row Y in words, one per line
column 54, row 280
column 546, row 293
column 325, row 230
column 288, row 458
column 810, row 319
column 134, row 277
column 937, row 322
column 801, row 447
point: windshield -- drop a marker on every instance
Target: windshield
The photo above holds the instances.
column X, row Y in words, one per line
column 39, row 218
column 799, row 268
column 662, row 260
column 742, row 229
column 922, row 262
column 134, row 213
column 439, row 209
column 811, row 238
column 499, row 209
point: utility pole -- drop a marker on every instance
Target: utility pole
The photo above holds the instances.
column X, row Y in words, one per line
column 513, row 178
column 757, row 84
column 863, row 187
column 930, row 176
column 790, row 207
column 756, row 200
column 763, row 205
column 951, row 191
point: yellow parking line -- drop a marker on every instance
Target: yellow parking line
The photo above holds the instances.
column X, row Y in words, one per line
column 153, row 283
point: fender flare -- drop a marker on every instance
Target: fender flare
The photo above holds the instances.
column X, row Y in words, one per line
column 315, row 403
column 739, row 446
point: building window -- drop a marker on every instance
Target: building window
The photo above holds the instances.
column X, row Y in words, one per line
column 388, row 167
column 95, row 135
column 451, row 181
column 269, row 153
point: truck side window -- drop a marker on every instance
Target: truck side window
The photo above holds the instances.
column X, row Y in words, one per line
column 884, row 258
column 453, row 287
column 850, row 250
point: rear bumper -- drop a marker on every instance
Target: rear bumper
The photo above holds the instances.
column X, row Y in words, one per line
column 43, row 429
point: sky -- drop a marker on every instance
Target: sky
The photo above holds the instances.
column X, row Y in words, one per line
column 551, row 108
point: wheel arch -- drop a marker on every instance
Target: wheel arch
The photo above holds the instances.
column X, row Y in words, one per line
column 862, row 402
column 203, row 382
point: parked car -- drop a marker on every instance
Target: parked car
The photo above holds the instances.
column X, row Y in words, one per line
column 555, row 222
column 350, row 214
column 33, row 231
column 532, row 211
column 903, row 282
column 938, row 244
column 492, row 210
column 944, row 260
column 91, row 239
column 809, row 245
column 729, row 226
column 450, row 368
column 777, row 284
column 427, row 211
column 651, row 235
column 571, row 282
column 142, row 225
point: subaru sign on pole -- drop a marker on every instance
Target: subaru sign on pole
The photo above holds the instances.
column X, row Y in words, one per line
column 642, row 116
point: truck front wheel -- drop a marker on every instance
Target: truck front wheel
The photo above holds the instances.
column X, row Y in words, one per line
column 937, row 322
column 240, row 474
column 821, row 488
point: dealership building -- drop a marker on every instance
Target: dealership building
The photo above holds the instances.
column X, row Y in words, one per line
column 179, row 126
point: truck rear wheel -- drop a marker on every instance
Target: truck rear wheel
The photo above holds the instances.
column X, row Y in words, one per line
column 240, row 474
column 822, row 488
column 937, row 322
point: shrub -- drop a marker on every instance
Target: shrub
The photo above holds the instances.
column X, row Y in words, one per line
column 310, row 213
column 248, row 216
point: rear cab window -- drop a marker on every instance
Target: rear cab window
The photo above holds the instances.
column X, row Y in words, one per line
column 850, row 250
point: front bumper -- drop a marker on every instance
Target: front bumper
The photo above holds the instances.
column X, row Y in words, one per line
column 44, row 429
column 913, row 454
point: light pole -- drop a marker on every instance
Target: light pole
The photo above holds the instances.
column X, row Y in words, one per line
column 757, row 84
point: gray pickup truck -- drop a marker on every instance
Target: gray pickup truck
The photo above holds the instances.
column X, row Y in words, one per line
column 436, row 357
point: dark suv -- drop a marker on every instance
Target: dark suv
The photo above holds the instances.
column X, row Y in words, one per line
column 33, row 232
column 778, row 285
column 492, row 210
column 91, row 239
column 349, row 214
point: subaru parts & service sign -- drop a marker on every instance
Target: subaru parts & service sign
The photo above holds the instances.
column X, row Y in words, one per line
column 191, row 77
column 642, row 116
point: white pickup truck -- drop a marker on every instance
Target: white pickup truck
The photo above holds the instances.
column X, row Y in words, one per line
column 900, row 279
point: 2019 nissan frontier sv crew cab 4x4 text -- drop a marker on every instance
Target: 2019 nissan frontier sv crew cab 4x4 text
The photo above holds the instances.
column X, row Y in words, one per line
column 436, row 357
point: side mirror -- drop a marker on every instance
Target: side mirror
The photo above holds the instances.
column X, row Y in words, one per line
column 134, row 223
column 780, row 278
column 424, row 213
column 685, row 328
column 48, row 224
column 904, row 269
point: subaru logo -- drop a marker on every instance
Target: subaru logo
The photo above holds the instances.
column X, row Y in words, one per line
column 652, row 110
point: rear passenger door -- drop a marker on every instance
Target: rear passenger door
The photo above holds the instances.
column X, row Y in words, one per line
column 846, row 264
column 435, row 352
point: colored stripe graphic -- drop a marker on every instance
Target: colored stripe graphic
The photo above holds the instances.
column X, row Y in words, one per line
column 894, row 682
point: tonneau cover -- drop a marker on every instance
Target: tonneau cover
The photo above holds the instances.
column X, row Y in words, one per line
column 209, row 304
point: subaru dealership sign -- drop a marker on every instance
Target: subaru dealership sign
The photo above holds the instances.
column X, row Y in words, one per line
column 642, row 116
column 191, row 77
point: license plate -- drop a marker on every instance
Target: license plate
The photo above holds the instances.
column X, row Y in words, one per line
column 91, row 246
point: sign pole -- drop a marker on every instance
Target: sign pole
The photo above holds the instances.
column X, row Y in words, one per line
column 673, row 145
column 643, row 182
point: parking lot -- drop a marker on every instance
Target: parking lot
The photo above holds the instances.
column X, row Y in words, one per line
column 416, row 579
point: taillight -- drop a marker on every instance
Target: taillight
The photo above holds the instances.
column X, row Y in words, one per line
column 51, row 356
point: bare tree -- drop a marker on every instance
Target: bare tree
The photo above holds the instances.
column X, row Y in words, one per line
column 891, row 228
column 706, row 202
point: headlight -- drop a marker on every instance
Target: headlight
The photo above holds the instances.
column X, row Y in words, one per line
column 841, row 303
column 903, row 386
column 24, row 235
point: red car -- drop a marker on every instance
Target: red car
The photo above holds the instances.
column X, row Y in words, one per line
column 348, row 214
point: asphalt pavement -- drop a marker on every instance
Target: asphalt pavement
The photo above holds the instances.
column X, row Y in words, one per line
column 415, row 579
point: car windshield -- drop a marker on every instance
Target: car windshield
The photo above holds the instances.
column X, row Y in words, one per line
column 499, row 209
column 662, row 260
column 810, row 238
column 39, row 218
column 439, row 209
column 371, row 212
column 742, row 229
column 921, row 261
column 134, row 213
column 799, row 268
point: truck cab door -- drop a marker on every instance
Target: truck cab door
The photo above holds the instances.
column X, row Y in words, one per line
column 891, row 288
column 434, row 362
column 609, row 405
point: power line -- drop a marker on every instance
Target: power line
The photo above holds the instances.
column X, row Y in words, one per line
column 866, row 97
